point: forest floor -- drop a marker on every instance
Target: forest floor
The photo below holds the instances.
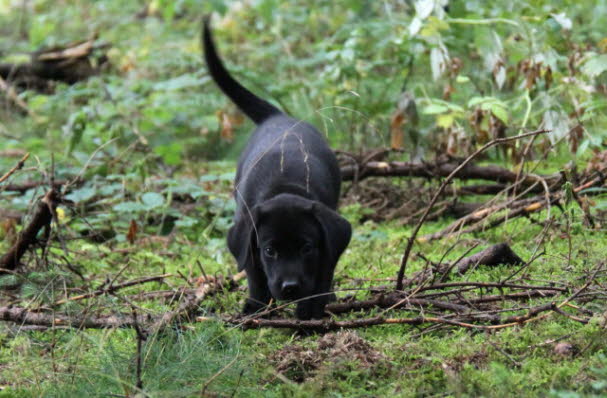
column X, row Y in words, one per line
column 123, row 284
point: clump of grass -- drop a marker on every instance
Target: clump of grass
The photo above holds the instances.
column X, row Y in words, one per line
column 179, row 363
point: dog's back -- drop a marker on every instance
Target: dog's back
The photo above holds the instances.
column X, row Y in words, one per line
column 282, row 150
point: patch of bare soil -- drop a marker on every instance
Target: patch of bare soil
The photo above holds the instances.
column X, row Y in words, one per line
column 299, row 363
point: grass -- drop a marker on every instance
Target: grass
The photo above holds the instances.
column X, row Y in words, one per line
column 518, row 360
column 342, row 67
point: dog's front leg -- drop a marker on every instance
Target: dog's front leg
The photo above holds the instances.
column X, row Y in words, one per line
column 259, row 294
column 314, row 308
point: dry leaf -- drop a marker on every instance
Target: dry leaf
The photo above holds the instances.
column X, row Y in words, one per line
column 397, row 135
column 405, row 114
column 131, row 236
column 227, row 129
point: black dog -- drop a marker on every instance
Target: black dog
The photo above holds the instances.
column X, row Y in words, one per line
column 286, row 234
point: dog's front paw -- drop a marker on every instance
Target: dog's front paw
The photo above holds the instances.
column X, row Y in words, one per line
column 310, row 309
column 252, row 307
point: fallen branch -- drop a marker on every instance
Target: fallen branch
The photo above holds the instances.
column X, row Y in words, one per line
column 18, row 166
column 441, row 169
column 394, row 300
column 191, row 303
column 326, row 325
column 482, row 189
column 12, row 95
column 25, row 186
column 113, row 288
column 491, row 285
column 405, row 258
column 69, row 64
column 41, row 219
column 476, row 217
column 491, row 256
column 23, row 316
column 522, row 207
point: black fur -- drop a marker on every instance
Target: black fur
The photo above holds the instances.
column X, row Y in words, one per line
column 287, row 234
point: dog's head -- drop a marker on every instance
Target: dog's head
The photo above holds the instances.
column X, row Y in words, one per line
column 296, row 241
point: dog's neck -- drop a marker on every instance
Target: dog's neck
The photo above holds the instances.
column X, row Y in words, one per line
column 291, row 188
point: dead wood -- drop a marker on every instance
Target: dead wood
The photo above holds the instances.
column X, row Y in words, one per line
column 490, row 285
column 393, row 300
column 41, row 219
column 480, row 189
column 478, row 215
column 12, row 153
column 190, row 304
column 12, row 96
column 68, row 64
column 114, row 288
column 24, row 316
column 325, row 325
column 27, row 185
column 494, row 255
column 439, row 169
column 18, row 166
column 526, row 295
column 479, row 220
column 457, row 170
column 163, row 294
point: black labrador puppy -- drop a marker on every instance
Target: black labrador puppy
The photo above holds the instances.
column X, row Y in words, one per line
column 287, row 234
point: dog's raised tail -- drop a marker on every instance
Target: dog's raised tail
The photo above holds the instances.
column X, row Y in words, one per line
column 254, row 107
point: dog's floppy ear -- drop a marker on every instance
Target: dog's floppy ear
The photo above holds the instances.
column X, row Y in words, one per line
column 336, row 231
column 242, row 241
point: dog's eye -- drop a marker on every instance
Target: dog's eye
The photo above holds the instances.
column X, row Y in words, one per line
column 270, row 251
column 307, row 248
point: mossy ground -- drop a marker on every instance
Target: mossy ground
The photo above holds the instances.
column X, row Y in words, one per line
column 515, row 361
column 342, row 67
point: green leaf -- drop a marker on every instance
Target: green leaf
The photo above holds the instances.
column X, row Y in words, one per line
column 129, row 207
column 474, row 101
column 81, row 195
column 500, row 112
column 445, row 120
column 152, row 200
column 75, row 126
column 187, row 222
column 171, row 154
column 434, row 109
column 189, row 189
column 595, row 65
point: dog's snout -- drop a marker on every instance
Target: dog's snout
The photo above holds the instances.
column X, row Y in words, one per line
column 290, row 289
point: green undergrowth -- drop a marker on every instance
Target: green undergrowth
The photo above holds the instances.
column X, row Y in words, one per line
column 520, row 360
column 149, row 146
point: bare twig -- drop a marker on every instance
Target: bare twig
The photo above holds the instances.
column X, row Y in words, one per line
column 111, row 288
column 405, row 258
column 24, row 186
column 25, row 316
column 141, row 337
column 41, row 219
column 18, row 166
column 191, row 303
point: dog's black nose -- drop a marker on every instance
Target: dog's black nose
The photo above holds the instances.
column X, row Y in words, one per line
column 290, row 289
